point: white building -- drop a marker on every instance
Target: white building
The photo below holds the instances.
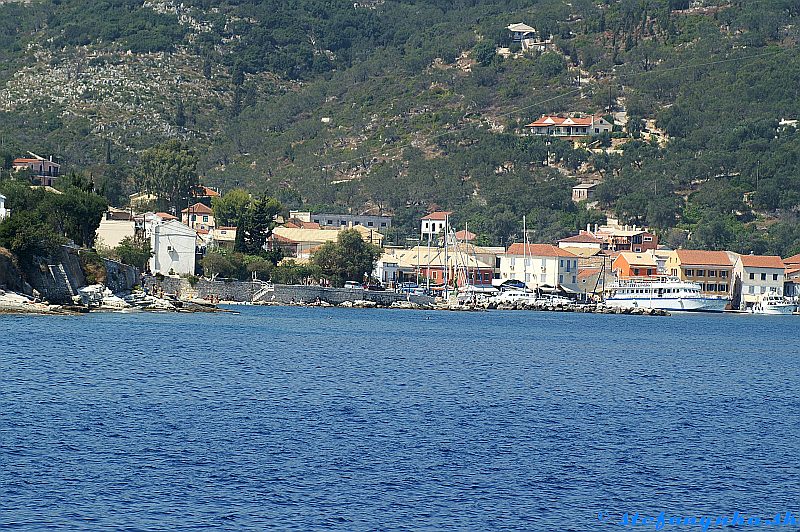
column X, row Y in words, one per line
column 3, row 211
column 174, row 246
column 539, row 266
column 434, row 224
column 755, row 275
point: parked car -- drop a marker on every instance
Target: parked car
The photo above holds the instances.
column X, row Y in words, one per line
column 375, row 286
column 353, row 285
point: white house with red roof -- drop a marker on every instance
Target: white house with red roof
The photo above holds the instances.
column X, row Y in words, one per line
column 434, row 224
column 539, row 266
column 570, row 126
column 755, row 275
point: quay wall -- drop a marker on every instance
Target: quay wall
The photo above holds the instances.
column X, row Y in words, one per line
column 246, row 291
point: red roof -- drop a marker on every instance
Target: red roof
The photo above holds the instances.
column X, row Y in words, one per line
column 538, row 250
column 794, row 259
column 202, row 231
column 165, row 216
column 465, row 235
column 762, row 261
column 226, row 228
column 582, row 238
column 588, row 272
column 438, row 215
column 549, row 120
column 199, row 208
column 204, row 191
column 698, row 257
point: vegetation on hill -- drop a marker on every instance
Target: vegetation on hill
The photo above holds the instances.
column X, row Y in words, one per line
column 403, row 106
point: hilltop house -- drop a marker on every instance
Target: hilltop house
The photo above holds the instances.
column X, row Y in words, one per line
column 44, row 171
column 618, row 237
column 539, row 266
column 712, row 270
column 528, row 37
column 434, row 224
column 629, row 264
column 570, row 127
column 3, row 211
column 301, row 242
column 583, row 192
column 755, row 275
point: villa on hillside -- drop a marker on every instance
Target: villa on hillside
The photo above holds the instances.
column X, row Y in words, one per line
column 570, row 126
column 45, row 171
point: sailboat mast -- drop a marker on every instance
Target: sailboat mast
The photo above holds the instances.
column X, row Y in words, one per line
column 524, row 252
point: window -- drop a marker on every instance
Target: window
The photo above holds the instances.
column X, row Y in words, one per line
column 701, row 273
column 774, row 276
column 316, row 220
column 636, row 271
column 370, row 224
column 343, row 223
column 560, row 263
column 573, row 279
column 330, row 222
column 560, row 279
column 689, row 272
column 751, row 288
column 763, row 276
column 205, row 218
column 723, row 274
column 712, row 273
column 711, row 287
column 722, row 287
column 648, row 239
column 569, row 265
column 638, row 250
column 752, row 276
column 194, row 217
column 383, row 224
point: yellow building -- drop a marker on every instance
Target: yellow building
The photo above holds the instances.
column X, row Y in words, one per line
column 712, row 270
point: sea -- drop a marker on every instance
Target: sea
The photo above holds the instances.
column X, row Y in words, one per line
column 292, row 418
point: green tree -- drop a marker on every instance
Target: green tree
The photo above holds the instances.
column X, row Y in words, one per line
column 256, row 225
column 484, row 52
column 231, row 207
column 169, row 171
column 349, row 258
column 134, row 251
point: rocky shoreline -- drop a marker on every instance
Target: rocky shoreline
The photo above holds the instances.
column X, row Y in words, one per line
column 590, row 308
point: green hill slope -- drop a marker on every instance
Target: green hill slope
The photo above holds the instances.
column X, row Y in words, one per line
column 403, row 106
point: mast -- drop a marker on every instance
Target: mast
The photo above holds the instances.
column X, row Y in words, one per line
column 524, row 253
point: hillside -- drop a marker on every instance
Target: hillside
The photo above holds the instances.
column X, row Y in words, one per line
column 404, row 106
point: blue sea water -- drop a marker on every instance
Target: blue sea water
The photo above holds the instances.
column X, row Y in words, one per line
column 346, row 419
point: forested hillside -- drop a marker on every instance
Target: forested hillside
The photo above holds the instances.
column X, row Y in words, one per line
column 404, row 106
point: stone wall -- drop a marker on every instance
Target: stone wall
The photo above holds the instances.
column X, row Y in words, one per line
column 239, row 291
column 245, row 291
column 120, row 277
column 57, row 278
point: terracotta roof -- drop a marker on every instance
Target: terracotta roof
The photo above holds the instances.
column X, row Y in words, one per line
column 583, row 238
column 761, row 261
column 202, row 231
column 791, row 271
column 226, row 228
column 465, row 235
column 588, row 272
column 204, row 191
column 538, row 250
column 548, row 120
column 165, row 216
column 698, row 257
column 794, row 259
column 637, row 259
column 438, row 215
column 199, row 208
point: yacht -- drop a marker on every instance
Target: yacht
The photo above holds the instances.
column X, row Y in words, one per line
column 664, row 293
column 515, row 295
column 772, row 303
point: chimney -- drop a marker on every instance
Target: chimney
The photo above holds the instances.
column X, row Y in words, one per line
column 51, row 158
column 588, row 227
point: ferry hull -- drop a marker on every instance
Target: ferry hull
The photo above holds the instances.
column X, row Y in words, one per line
column 699, row 304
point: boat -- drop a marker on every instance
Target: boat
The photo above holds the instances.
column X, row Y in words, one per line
column 772, row 303
column 516, row 295
column 663, row 293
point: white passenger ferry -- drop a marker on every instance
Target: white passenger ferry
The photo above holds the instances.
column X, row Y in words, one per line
column 664, row 293
column 772, row 303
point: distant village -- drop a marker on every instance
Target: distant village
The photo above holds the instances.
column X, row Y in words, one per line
column 582, row 266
